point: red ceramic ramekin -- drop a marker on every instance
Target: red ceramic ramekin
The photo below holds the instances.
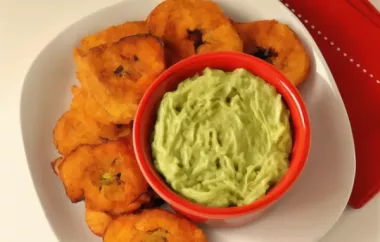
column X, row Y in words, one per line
column 227, row 61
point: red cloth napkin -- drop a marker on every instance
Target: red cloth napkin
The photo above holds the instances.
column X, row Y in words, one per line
column 348, row 34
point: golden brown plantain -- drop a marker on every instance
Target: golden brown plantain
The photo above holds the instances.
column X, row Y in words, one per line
column 188, row 27
column 106, row 176
column 82, row 99
column 116, row 76
column 97, row 221
column 277, row 44
column 113, row 34
column 154, row 225
column 76, row 128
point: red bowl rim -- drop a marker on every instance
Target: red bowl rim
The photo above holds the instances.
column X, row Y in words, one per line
column 185, row 205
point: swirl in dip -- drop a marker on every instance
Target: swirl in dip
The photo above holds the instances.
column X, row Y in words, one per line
column 222, row 138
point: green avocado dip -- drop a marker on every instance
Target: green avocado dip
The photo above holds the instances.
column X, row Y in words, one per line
column 222, row 138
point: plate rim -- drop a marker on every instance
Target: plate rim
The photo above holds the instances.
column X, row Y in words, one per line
column 338, row 97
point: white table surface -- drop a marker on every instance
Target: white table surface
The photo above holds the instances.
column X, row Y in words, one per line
column 25, row 28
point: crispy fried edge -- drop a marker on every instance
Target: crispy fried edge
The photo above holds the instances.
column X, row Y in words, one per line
column 306, row 73
column 146, row 215
column 97, row 221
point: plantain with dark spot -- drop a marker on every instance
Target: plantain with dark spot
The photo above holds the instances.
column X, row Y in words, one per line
column 189, row 27
column 277, row 44
column 115, row 76
column 106, row 176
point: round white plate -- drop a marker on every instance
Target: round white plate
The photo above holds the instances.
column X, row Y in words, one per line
column 306, row 213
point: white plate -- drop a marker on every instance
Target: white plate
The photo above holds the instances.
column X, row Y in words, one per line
column 306, row 213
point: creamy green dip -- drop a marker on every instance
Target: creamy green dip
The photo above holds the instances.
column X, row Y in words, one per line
column 222, row 138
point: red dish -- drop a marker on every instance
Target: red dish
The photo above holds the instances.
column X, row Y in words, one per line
column 227, row 61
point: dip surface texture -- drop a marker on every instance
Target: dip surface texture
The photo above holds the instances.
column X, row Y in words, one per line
column 222, row 138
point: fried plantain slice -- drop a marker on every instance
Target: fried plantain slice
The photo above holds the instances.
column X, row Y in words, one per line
column 188, row 27
column 113, row 34
column 154, row 225
column 76, row 128
column 117, row 75
column 106, row 176
column 97, row 221
column 277, row 44
column 83, row 99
